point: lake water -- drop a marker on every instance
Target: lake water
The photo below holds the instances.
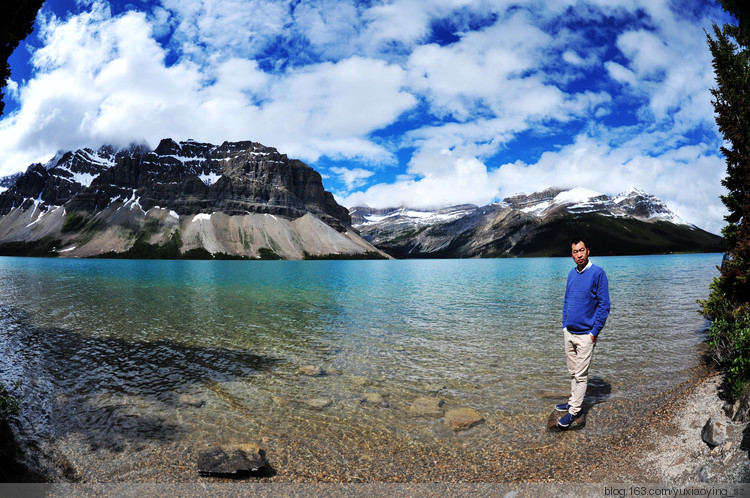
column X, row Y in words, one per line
column 129, row 368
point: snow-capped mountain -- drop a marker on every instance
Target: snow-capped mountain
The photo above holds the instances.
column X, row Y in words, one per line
column 234, row 199
column 633, row 222
column 579, row 200
column 640, row 204
column 633, row 203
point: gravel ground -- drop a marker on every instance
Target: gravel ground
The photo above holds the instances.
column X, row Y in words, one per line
column 671, row 449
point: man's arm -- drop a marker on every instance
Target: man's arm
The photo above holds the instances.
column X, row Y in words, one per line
column 565, row 305
column 602, row 304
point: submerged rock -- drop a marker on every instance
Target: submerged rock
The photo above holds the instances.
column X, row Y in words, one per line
column 236, row 461
column 427, row 407
column 311, row 371
column 460, row 419
column 376, row 399
column 577, row 424
column 318, row 403
column 361, row 381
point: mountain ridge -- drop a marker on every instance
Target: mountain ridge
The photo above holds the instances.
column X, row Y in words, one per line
column 239, row 199
column 537, row 224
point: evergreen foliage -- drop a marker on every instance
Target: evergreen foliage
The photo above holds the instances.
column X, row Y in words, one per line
column 16, row 23
column 728, row 305
column 266, row 253
column 10, row 404
column 363, row 256
column 46, row 247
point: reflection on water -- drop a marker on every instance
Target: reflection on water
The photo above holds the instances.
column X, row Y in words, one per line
column 147, row 361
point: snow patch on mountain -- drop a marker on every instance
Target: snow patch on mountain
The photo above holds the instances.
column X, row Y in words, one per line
column 578, row 195
column 101, row 158
column 537, row 209
column 632, row 191
column 202, row 217
column 415, row 216
column 209, row 178
column 577, row 200
column 82, row 166
column 84, row 179
column 185, row 159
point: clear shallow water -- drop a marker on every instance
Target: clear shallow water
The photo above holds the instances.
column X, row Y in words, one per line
column 146, row 362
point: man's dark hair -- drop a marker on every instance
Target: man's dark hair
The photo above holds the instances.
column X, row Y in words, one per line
column 575, row 240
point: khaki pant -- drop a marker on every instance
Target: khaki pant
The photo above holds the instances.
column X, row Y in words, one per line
column 579, row 348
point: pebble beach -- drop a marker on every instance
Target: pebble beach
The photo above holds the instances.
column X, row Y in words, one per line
column 664, row 445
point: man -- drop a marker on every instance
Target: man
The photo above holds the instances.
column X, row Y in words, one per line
column 585, row 311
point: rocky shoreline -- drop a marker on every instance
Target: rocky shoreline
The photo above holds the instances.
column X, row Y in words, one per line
column 666, row 446
column 672, row 445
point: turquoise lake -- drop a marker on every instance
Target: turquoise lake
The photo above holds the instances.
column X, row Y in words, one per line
column 129, row 368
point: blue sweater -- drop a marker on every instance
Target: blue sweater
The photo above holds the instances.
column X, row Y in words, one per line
column 586, row 305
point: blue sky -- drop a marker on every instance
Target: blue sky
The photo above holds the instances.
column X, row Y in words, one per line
column 403, row 102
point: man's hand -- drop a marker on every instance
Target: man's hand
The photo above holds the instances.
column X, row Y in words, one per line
column 593, row 337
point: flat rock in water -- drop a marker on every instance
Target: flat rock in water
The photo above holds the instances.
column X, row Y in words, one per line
column 577, row 423
column 427, row 407
column 311, row 371
column 460, row 419
column 238, row 461
column 361, row 381
column 318, row 403
column 376, row 399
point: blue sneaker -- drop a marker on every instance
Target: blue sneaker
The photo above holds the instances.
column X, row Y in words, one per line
column 566, row 420
column 563, row 407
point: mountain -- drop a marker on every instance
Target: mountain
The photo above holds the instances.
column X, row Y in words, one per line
column 539, row 224
column 8, row 181
column 237, row 199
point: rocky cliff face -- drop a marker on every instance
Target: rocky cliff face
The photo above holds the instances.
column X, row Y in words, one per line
column 538, row 224
column 152, row 193
column 188, row 178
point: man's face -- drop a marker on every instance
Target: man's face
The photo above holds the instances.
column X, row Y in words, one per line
column 580, row 254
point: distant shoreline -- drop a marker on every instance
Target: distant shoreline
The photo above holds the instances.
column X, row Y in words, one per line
column 45, row 250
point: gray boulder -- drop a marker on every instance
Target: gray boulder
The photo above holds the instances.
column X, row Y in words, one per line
column 714, row 432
